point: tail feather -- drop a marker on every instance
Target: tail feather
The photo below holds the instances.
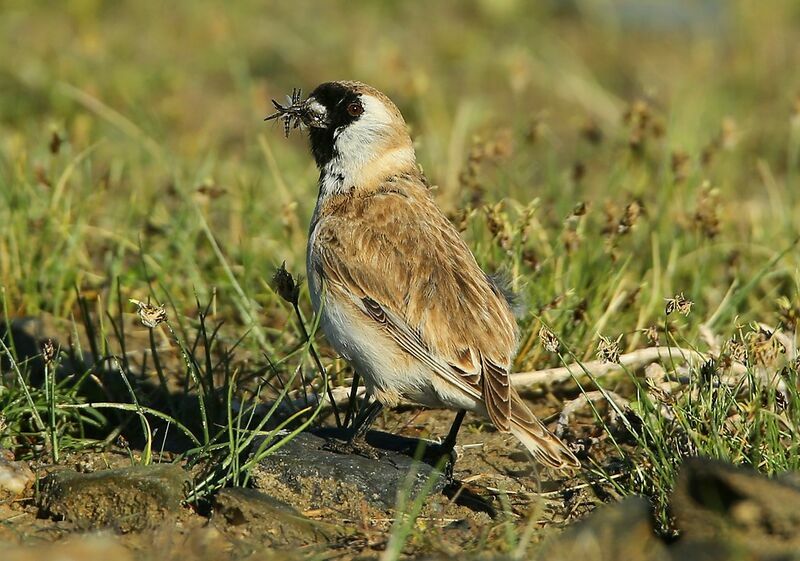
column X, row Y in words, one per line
column 546, row 447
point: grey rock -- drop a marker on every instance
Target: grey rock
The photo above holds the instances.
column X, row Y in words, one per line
column 324, row 478
column 746, row 514
column 15, row 477
column 620, row 531
column 126, row 499
column 269, row 520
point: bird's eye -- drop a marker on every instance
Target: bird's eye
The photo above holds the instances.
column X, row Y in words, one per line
column 355, row 109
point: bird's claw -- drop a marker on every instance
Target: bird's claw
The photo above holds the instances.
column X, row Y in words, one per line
column 358, row 447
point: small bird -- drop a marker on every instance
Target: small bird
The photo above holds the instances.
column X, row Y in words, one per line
column 400, row 294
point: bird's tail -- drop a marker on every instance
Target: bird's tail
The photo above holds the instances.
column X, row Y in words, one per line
column 546, row 447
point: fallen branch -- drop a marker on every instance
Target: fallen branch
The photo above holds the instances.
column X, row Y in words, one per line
column 597, row 368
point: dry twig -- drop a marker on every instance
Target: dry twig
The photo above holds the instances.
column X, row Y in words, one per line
column 598, row 369
column 575, row 405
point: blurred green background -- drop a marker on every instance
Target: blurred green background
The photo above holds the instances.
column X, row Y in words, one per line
column 132, row 145
column 605, row 155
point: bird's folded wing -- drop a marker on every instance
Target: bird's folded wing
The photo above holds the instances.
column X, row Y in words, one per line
column 413, row 344
column 422, row 286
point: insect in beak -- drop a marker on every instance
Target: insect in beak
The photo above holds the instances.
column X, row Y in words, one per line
column 297, row 113
column 291, row 113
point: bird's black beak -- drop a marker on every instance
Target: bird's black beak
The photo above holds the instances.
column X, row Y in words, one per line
column 314, row 114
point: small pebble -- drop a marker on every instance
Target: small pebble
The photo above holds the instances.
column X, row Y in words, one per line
column 15, row 477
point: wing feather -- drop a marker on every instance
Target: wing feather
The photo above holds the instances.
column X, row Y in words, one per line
column 497, row 394
column 413, row 345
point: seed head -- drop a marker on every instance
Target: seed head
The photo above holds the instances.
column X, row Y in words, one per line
column 706, row 214
column 495, row 218
column 652, row 335
column 640, row 121
column 571, row 240
column 608, row 350
column 633, row 211
column 737, row 351
column 679, row 304
column 781, row 401
column 765, row 348
column 55, row 142
column 530, row 258
column 681, row 162
column 729, row 133
column 789, row 313
column 151, row 316
column 49, row 351
column 549, row 340
column 283, row 283
column 579, row 312
column 459, row 218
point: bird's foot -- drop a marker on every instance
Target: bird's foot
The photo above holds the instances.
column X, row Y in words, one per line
column 357, row 446
column 447, row 461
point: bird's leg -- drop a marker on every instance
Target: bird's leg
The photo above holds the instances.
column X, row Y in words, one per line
column 363, row 421
column 352, row 401
column 445, row 449
column 356, row 443
column 450, row 441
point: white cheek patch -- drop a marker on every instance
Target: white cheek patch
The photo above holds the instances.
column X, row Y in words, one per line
column 357, row 140
column 357, row 144
column 369, row 139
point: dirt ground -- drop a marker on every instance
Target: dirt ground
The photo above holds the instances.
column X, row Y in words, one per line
column 94, row 505
column 497, row 485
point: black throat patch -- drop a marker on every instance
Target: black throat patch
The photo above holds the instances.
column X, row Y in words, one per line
column 335, row 97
